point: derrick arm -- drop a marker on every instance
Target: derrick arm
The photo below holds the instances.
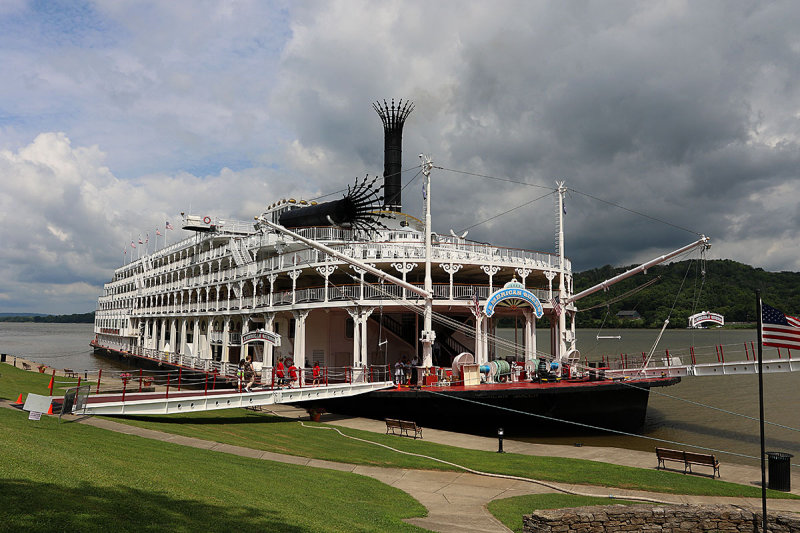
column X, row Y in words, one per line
column 355, row 262
column 702, row 242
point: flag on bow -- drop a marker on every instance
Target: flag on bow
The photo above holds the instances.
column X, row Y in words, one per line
column 779, row 330
column 169, row 226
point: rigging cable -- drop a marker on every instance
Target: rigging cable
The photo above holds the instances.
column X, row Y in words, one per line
column 637, row 212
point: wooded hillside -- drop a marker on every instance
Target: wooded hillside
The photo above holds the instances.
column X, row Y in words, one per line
column 729, row 289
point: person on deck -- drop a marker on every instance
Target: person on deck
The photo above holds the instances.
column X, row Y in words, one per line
column 316, row 373
column 398, row 372
column 240, row 374
column 249, row 373
column 292, row 373
column 280, row 372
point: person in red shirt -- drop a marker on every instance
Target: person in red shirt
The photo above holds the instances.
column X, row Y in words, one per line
column 292, row 373
column 279, row 372
column 316, row 373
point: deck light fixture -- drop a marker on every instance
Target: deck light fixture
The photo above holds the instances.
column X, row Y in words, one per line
column 499, row 440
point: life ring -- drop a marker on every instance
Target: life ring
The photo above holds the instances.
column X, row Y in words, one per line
column 207, row 220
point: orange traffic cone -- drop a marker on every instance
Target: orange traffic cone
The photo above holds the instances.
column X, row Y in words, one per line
column 50, row 409
column 19, row 400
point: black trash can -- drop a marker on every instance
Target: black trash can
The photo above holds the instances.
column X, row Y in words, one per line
column 780, row 476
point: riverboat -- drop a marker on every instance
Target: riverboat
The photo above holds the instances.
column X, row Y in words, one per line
column 361, row 289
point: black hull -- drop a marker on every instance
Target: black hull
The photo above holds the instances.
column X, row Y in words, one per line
column 536, row 410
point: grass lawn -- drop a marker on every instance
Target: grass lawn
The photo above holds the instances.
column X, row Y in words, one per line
column 265, row 432
column 510, row 510
column 72, row 477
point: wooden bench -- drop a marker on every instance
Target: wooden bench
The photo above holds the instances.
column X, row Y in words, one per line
column 688, row 459
column 68, row 372
column 403, row 428
column 26, row 366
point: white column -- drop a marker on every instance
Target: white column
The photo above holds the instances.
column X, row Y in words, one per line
column 271, row 278
column 354, row 315
column 478, row 338
column 365, row 314
column 326, row 271
column 451, row 268
column 300, row 337
column 226, row 329
column 196, row 349
column 163, row 335
column 490, row 271
column 182, row 343
column 523, row 273
column 484, row 340
column 294, row 274
column 404, row 268
column 269, row 320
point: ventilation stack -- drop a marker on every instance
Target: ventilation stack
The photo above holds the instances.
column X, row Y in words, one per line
column 393, row 118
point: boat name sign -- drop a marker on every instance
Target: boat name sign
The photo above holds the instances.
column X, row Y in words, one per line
column 262, row 335
column 519, row 296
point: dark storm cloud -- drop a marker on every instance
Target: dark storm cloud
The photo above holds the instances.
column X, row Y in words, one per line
column 686, row 112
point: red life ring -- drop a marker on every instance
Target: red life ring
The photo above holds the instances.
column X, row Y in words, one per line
column 207, row 220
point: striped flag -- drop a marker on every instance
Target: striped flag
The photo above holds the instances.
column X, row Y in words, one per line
column 476, row 305
column 779, row 330
column 169, row 226
column 556, row 305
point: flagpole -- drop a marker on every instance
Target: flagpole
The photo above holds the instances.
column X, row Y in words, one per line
column 761, row 414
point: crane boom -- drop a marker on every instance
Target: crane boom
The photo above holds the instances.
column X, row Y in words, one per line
column 703, row 241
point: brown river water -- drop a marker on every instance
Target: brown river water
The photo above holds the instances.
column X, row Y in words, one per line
column 706, row 412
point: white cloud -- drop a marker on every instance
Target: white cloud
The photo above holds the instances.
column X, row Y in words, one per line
column 686, row 112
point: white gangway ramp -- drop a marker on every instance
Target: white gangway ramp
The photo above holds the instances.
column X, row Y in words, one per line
column 161, row 403
column 709, row 369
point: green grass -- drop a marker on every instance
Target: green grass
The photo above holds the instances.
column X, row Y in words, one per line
column 510, row 510
column 52, row 467
column 73, row 477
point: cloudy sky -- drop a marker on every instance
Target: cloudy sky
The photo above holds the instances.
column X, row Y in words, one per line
column 116, row 116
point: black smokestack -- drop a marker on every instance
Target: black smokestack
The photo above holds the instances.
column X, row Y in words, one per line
column 393, row 119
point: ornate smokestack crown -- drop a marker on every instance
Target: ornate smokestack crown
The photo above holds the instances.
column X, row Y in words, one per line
column 393, row 118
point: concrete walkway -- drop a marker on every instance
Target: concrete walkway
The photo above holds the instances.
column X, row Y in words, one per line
column 456, row 502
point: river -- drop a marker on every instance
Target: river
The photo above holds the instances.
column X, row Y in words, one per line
column 679, row 414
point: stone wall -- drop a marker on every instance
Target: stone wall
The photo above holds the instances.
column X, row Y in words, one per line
column 656, row 518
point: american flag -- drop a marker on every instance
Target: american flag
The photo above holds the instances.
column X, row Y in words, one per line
column 169, row 226
column 556, row 305
column 133, row 245
column 140, row 240
column 779, row 330
column 477, row 305
column 158, row 232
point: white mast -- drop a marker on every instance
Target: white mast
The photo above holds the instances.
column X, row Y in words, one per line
column 428, row 335
column 562, row 289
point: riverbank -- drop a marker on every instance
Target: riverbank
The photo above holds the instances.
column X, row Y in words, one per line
column 455, row 499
